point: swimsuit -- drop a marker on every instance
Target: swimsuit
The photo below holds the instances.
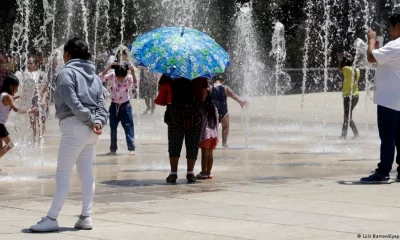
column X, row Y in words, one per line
column 220, row 100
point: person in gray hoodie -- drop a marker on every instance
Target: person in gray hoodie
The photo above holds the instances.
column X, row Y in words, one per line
column 81, row 109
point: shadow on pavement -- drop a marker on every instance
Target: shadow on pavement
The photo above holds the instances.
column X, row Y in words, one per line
column 144, row 183
column 62, row 229
column 360, row 183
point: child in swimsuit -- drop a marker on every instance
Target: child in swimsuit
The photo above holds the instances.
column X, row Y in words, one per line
column 220, row 93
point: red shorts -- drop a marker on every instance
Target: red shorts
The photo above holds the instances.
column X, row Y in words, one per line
column 209, row 143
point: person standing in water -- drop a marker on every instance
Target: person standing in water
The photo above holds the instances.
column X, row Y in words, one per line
column 7, row 103
column 119, row 83
column 149, row 85
column 208, row 138
column 220, row 93
column 40, row 91
column 350, row 93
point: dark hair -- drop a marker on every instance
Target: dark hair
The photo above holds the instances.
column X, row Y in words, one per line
column 164, row 79
column 394, row 19
column 121, row 70
column 10, row 80
column 346, row 63
column 123, row 52
column 209, row 108
column 77, row 48
column 218, row 77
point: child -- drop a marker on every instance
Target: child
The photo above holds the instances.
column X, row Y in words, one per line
column 350, row 93
column 209, row 138
column 9, row 88
column 39, row 90
column 119, row 83
column 220, row 93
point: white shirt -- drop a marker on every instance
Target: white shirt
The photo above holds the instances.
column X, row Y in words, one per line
column 387, row 83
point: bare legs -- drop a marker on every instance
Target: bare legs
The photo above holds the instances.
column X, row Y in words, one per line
column 34, row 120
column 207, row 160
column 174, row 161
column 6, row 147
column 225, row 131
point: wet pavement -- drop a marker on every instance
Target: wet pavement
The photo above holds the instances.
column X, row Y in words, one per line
column 274, row 182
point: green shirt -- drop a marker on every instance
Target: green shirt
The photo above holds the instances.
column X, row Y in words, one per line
column 348, row 74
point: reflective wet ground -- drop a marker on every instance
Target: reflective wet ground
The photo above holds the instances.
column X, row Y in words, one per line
column 279, row 184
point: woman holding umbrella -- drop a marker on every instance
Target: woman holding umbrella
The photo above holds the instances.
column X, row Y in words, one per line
column 188, row 57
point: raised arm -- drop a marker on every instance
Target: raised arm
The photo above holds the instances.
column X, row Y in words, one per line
column 135, row 83
column 105, row 76
column 371, row 46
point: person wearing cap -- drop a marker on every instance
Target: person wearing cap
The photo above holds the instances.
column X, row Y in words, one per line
column 349, row 93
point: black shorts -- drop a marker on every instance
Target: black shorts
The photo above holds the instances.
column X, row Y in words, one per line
column 3, row 131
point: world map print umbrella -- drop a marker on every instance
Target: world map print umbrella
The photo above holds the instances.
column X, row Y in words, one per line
column 180, row 52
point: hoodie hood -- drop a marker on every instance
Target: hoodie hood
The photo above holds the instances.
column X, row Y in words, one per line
column 84, row 67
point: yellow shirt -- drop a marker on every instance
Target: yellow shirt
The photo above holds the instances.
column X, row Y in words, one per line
column 348, row 74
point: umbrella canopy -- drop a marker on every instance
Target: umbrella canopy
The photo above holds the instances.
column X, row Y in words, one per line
column 180, row 52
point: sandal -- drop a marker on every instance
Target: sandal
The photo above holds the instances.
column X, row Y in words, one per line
column 200, row 176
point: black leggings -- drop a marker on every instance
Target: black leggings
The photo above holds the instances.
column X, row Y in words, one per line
column 177, row 132
column 346, row 104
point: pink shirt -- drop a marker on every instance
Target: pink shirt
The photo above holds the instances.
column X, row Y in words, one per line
column 120, row 91
column 207, row 131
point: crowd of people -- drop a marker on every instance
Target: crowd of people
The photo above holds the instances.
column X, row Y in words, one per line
column 194, row 109
column 192, row 114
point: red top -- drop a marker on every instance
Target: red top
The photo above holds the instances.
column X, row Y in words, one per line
column 164, row 95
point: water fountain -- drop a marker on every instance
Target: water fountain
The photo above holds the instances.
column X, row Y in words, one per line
column 280, row 78
column 326, row 29
column 252, row 73
column 305, row 58
column 249, row 67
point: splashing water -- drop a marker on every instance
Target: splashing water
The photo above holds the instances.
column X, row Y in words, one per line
column 85, row 20
column 249, row 70
column 96, row 25
column 69, row 18
column 282, row 79
column 305, row 60
column 123, row 13
column 327, row 51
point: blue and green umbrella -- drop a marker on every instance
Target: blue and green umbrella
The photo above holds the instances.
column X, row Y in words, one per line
column 180, row 52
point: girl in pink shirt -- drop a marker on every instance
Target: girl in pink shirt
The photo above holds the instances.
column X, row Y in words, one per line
column 119, row 84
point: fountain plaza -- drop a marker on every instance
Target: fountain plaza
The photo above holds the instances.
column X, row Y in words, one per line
column 286, row 174
column 282, row 186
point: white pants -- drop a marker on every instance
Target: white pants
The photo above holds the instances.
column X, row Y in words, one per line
column 77, row 146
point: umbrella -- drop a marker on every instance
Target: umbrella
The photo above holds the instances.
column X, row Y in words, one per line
column 180, row 52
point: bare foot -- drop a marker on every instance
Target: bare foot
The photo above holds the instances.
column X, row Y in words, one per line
column 225, row 145
column 132, row 153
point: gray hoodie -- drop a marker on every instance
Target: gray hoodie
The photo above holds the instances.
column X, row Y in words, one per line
column 79, row 92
